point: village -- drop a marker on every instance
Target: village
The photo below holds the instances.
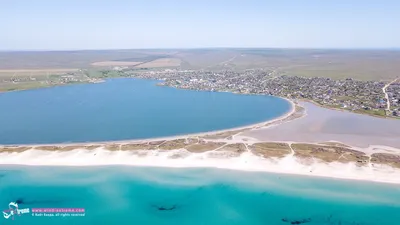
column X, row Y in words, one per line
column 354, row 95
column 367, row 97
column 25, row 81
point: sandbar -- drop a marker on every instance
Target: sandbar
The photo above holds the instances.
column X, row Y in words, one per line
column 308, row 140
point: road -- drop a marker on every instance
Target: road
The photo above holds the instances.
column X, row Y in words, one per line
column 386, row 94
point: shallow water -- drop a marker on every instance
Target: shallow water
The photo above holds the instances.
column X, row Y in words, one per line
column 321, row 124
column 122, row 109
column 143, row 195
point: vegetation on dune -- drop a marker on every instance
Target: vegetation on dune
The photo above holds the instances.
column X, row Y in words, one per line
column 327, row 152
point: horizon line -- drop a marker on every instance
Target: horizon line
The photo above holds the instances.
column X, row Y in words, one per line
column 202, row 48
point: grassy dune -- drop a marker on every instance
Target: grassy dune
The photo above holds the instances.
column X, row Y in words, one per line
column 307, row 153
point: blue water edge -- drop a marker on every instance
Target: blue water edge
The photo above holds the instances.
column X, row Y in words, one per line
column 155, row 196
column 125, row 108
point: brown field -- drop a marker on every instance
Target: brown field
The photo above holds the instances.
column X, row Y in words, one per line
column 164, row 62
column 115, row 63
column 33, row 72
column 72, row 59
column 204, row 58
column 336, row 64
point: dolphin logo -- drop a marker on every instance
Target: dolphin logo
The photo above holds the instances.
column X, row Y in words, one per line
column 13, row 204
column 12, row 210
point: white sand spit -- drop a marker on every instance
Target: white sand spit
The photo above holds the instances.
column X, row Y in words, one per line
column 214, row 159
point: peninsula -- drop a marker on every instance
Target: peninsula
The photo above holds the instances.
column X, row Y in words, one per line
column 238, row 149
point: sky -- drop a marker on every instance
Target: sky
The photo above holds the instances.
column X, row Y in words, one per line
column 131, row 24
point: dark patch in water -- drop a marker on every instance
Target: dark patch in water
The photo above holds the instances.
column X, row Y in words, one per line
column 296, row 221
column 165, row 208
column 23, row 201
column 330, row 220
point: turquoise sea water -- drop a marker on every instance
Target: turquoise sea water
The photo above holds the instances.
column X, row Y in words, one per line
column 121, row 109
column 160, row 196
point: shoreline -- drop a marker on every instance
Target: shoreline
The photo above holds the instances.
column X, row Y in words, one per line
column 247, row 162
column 300, row 99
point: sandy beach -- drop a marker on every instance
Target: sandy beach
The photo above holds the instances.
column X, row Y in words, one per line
column 308, row 140
column 222, row 159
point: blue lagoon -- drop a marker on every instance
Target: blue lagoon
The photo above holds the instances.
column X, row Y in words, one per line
column 123, row 109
